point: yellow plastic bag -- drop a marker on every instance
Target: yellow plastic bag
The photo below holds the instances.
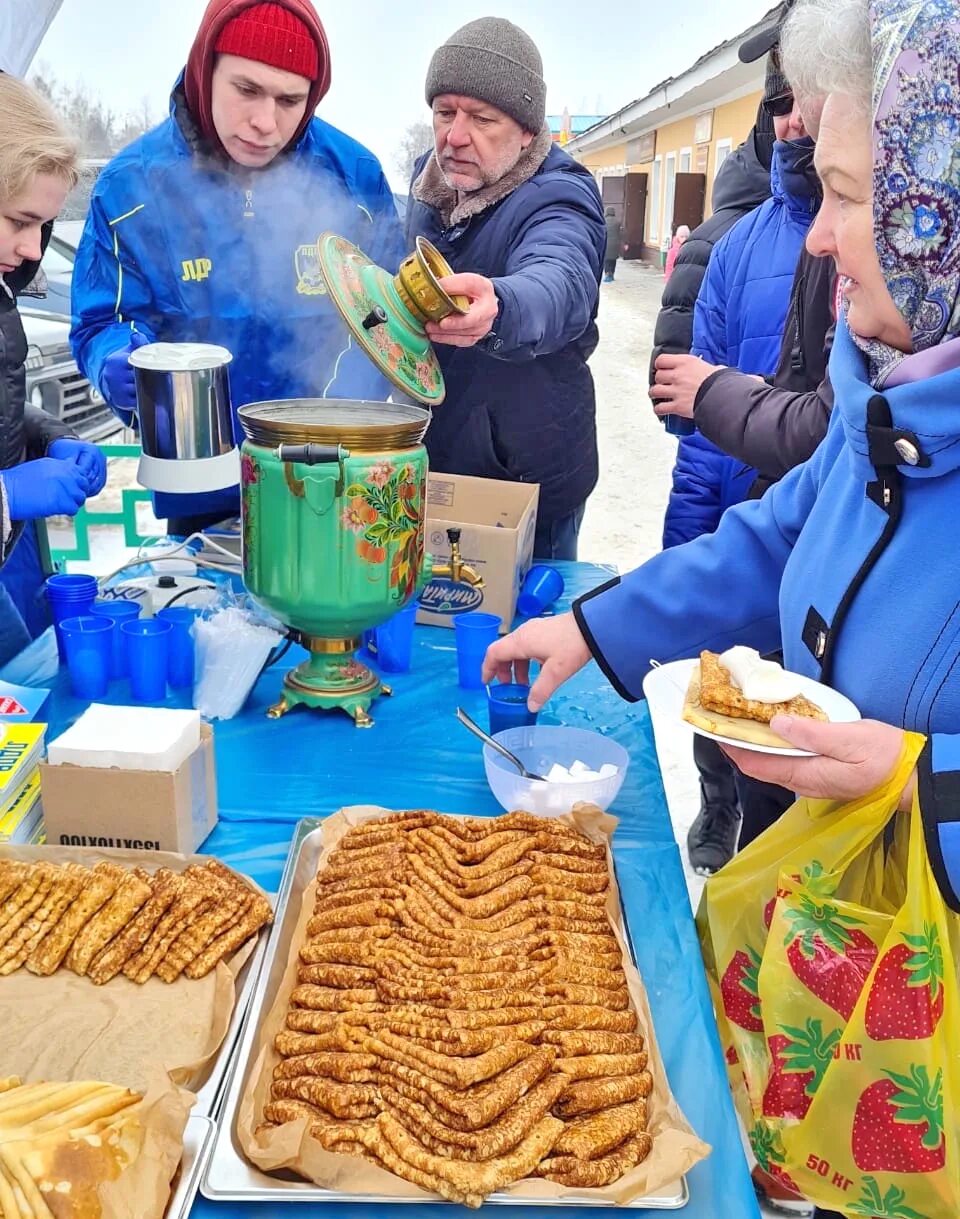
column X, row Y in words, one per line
column 832, row 960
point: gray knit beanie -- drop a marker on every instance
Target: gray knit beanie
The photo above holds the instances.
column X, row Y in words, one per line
column 494, row 61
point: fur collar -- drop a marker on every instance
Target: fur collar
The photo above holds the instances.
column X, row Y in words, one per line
column 455, row 207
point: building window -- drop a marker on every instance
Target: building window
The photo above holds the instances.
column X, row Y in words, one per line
column 686, row 160
column 724, row 149
column 669, row 191
column 654, row 228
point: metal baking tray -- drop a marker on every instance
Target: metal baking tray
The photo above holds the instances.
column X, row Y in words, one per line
column 197, row 1144
column 210, row 1094
column 229, row 1177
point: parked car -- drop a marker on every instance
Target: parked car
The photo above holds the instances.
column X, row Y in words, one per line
column 56, row 385
column 49, row 290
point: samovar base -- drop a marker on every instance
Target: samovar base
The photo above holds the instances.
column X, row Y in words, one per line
column 331, row 680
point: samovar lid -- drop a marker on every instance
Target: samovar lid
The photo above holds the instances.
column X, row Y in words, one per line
column 383, row 321
column 357, row 425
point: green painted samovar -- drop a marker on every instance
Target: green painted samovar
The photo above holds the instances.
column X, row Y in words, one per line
column 333, row 498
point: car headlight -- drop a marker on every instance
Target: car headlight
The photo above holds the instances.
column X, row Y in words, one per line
column 32, row 363
column 36, row 397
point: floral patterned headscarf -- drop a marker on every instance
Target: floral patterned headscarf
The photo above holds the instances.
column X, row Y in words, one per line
column 916, row 105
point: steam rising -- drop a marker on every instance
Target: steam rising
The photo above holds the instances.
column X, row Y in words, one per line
column 297, row 345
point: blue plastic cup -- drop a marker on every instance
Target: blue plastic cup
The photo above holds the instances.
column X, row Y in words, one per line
column 391, row 643
column 541, row 589
column 69, row 596
column 679, row 425
column 507, row 703
column 117, row 611
column 475, row 633
column 148, row 645
column 182, row 651
column 87, row 643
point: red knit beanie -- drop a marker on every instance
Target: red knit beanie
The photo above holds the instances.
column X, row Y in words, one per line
column 271, row 34
column 299, row 15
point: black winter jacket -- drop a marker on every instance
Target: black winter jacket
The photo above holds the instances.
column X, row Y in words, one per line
column 25, row 431
column 777, row 425
column 742, row 184
column 520, row 405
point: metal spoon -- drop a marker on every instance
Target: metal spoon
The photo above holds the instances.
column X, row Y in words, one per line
column 501, row 749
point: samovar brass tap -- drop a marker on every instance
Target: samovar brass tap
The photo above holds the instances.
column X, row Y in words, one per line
column 456, row 569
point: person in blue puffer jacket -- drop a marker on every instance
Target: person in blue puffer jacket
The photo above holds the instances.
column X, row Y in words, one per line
column 849, row 563
column 205, row 229
column 739, row 320
column 738, row 323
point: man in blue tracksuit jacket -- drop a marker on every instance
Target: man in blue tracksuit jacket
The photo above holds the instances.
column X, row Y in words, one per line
column 205, row 229
column 522, row 225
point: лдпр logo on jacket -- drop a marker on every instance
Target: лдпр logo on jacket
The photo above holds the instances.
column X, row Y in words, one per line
column 307, row 264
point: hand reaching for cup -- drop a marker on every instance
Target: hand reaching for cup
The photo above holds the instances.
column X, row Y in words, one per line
column 556, row 643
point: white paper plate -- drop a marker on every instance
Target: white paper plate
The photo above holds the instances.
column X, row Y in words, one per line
column 666, row 689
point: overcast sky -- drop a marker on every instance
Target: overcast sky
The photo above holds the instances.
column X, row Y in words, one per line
column 598, row 54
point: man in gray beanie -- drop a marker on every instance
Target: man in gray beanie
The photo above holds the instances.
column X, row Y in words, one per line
column 522, row 225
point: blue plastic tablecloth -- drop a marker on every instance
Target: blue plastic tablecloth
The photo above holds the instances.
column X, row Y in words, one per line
column 272, row 773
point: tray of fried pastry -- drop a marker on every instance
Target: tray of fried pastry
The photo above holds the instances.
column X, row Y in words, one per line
column 449, row 1010
column 92, row 939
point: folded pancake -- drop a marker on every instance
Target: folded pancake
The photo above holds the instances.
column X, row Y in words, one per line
column 716, row 705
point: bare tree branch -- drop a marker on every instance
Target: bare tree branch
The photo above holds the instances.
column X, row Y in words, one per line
column 417, row 139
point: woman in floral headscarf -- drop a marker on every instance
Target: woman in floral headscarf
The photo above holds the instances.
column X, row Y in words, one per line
column 850, row 564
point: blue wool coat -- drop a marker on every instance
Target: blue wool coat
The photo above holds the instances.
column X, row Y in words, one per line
column 848, row 565
column 181, row 246
column 738, row 323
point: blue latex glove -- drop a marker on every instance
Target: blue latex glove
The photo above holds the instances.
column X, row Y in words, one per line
column 86, row 457
column 118, row 383
column 46, row 487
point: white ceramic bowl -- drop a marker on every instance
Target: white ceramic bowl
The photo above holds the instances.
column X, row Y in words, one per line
column 541, row 746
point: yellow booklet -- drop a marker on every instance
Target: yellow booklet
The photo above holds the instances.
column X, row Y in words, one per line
column 20, row 749
column 21, row 808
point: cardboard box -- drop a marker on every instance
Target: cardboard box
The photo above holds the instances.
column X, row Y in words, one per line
column 147, row 810
column 497, row 523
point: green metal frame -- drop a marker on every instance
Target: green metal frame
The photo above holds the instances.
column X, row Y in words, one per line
column 85, row 520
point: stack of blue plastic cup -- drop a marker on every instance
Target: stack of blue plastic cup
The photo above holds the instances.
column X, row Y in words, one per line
column 86, row 641
column 182, row 652
column 391, row 643
column 117, row 611
column 475, row 633
column 69, row 596
column 507, row 704
column 148, row 648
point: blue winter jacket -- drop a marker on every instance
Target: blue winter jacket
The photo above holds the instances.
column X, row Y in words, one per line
column 182, row 246
column 849, row 565
column 738, row 323
column 520, row 405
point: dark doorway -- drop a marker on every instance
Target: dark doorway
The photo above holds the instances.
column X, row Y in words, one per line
column 689, row 200
column 634, row 214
